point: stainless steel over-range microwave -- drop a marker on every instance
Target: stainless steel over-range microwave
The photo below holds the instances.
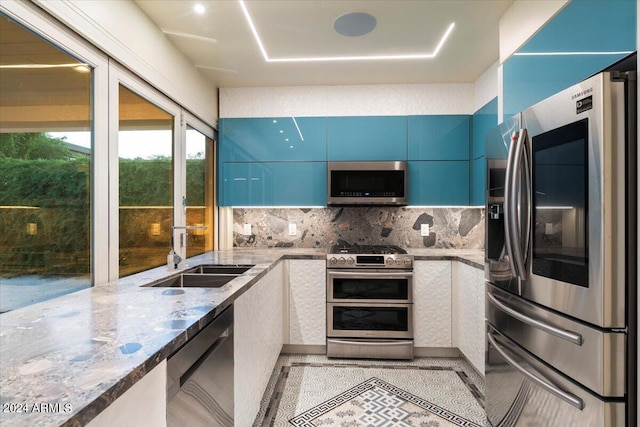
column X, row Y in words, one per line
column 367, row 183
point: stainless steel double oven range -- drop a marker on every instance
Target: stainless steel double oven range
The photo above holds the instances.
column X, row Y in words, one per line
column 369, row 302
column 561, row 250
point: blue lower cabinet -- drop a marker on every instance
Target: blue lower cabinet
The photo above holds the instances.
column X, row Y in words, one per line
column 367, row 138
column 478, row 182
column 274, row 184
column 438, row 183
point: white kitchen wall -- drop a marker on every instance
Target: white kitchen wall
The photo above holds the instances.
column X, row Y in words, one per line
column 357, row 100
column 486, row 87
column 150, row 54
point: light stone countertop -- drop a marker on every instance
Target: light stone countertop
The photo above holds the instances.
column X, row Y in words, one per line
column 85, row 349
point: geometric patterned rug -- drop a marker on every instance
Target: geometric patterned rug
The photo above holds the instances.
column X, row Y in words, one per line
column 377, row 403
column 316, row 391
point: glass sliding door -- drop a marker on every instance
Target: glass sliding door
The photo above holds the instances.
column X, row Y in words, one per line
column 199, row 187
column 46, row 155
column 145, row 170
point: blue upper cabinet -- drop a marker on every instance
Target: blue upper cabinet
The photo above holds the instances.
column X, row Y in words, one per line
column 485, row 119
column 585, row 37
column 367, row 138
column 273, row 139
column 439, row 183
column 443, row 137
column 274, row 184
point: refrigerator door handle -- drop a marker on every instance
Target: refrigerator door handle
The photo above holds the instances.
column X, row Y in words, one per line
column 509, row 172
column 515, row 222
column 528, row 199
column 561, row 394
column 570, row 336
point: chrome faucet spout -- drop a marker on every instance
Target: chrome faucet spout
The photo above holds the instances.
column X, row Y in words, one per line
column 177, row 259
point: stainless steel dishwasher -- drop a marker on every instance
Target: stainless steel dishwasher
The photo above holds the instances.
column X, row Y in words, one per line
column 200, row 377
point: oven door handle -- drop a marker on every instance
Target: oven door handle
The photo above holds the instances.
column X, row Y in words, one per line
column 371, row 343
column 549, row 387
column 570, row 336
column 393, row 275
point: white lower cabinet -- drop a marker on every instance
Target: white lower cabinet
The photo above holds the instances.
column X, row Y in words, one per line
column 432, row 303
column 144, row 404
column 258, row 338
column 468, row 319
column 307, row 302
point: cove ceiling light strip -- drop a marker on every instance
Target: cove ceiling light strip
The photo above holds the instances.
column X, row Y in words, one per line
column 340, row 58
column 569, row 53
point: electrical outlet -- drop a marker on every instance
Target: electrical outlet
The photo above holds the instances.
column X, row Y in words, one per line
column 247, row 230
column 293, row 230
column 424, row 230
column 548, row 228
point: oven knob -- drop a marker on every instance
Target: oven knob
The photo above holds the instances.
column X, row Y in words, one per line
column 333, row 260
column 407, row 261
column 389, row 261
column 341, row 261
column 398, row 261
column 350, row 261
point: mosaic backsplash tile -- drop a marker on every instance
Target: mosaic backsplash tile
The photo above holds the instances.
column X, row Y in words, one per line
column 322, row 227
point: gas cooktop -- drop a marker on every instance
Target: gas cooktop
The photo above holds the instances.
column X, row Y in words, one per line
column 367, row 249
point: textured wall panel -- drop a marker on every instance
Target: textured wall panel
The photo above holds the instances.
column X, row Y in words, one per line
column 355, row 100
column 258, row 341
column 470, row 313
column 432, row 303
column 307, row 302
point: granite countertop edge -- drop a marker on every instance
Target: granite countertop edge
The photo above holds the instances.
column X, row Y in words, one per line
column 189, row 323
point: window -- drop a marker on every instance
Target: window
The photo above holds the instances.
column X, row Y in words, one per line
column 46, row 134
column 89, row 188
column 145, row 170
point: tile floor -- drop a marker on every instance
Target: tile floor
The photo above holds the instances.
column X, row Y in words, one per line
column 301, row 382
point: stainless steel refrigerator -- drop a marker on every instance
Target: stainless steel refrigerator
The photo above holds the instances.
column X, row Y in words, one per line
column 560, row 271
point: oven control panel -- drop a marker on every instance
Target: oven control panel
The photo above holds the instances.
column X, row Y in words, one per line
column 369, row 261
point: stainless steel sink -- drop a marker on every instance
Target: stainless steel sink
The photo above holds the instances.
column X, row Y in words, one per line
column 220, row 269
column 204, row 276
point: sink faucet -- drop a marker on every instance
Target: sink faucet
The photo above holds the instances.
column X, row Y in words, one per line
column 173, row 259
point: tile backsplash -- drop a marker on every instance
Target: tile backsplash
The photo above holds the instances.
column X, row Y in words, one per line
column 323, row 227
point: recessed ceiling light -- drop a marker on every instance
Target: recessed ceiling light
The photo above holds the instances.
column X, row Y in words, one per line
column 354, row 24
column 199, row 9
column 266, row 57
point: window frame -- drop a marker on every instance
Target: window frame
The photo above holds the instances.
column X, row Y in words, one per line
column 107, row 74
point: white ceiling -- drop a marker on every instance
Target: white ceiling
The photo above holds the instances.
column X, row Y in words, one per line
column 221, row 44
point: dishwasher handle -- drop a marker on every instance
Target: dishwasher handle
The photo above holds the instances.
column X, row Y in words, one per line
column 197, row 348
column 215, row 346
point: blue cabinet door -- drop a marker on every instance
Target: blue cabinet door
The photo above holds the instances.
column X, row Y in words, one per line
column 583, row 38
column 367, row 138
column 443, row 137
column 478, row 181
column 273, row 139
column 274, row 184
column 438, row 183
column 485, row 119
